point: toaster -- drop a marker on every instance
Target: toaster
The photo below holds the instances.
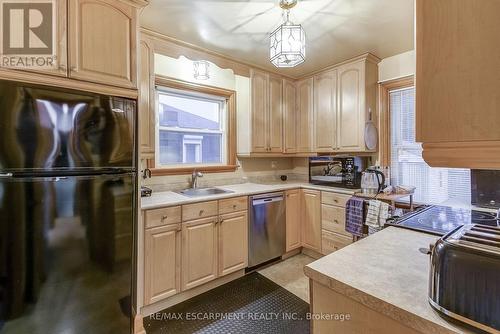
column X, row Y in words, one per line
column 464, row 279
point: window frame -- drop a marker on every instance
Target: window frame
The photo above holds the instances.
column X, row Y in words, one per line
column 229, row 123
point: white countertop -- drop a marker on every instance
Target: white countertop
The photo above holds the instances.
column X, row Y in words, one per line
column 387, row 273
column 170, row 198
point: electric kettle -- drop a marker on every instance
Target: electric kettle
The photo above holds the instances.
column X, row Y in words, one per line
column 372, row 181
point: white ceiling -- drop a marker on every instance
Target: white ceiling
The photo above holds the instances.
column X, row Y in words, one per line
column 335, row 29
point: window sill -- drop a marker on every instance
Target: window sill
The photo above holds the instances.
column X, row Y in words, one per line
column 189, row 170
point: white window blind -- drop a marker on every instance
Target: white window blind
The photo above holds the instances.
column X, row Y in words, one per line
column 433, row 185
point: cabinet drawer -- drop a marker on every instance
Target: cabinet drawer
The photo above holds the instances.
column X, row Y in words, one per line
column 199, row 210
column 163, row 216
column 233, row 204
column 331, row 242
column 333, row 219
column 334, row 198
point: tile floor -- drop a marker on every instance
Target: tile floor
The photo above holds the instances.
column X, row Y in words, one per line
column 290, row 275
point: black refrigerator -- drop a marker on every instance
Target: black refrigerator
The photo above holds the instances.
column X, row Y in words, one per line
column 67, row 210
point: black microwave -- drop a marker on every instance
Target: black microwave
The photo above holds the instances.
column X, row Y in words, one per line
column 343, row 172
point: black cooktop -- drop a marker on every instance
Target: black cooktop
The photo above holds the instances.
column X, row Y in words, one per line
column 439, row 220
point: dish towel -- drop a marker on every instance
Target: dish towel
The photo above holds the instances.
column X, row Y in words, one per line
column 373, row 213
column 383, row 214
column 354, row 216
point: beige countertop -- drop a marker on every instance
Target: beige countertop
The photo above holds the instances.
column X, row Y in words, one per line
column 170, row 198
column 387, row 273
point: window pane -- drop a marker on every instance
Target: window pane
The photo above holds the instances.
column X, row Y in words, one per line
column 433, row 185
column 188, row 112
column 190, row 147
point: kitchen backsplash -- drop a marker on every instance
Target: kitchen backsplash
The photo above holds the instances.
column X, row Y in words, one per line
column 262, row 170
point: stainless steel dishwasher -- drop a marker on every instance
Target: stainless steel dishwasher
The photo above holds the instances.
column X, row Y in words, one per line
column 266, row 237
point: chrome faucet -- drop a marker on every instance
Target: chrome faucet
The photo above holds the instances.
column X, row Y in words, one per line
column 194, row 178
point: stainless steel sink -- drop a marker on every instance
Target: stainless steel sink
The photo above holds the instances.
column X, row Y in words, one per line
column 198, row 192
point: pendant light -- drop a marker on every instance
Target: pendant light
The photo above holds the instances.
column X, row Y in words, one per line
column 287, row 44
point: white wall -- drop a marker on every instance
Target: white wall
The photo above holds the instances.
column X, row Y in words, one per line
column 398, row 66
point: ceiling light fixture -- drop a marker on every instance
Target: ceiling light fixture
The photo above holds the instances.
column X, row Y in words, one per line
column 287, row 47
column 201, row 70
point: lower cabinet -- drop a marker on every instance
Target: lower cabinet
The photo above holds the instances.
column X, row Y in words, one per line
column 293, row 230
column 162, row 262
column 311, row 219
column 199, row 252
column 233, row 242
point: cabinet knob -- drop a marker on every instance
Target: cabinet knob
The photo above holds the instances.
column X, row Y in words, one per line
column 179, row 229
column 221, row 221
column 201, row 212
column 63, row 67
column 163, row 218
column 234, row 206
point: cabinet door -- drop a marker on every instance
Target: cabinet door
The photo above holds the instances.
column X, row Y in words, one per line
column 199, row 252
column 293, row 229
column 161, row 263
column 289, row 117
column 351, row 107
column 102, row 42
column 305, row 115
column 325, row 111
column 275, row 121
column 311, row 219
column 233, row 242
column 146, row 101
column 259, row 111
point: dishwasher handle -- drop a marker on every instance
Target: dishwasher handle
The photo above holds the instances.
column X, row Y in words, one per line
column 261, row 201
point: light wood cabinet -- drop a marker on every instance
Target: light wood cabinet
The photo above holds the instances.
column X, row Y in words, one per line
column 304, row 115
column 162, row 262
column 232, row 242
column 293, row 218
column 311, row 219
column 325, row 111
column 146, row 100
column 457, row 95
column 267, row 113
column 102, row 42
column 351, row 119
column 357, row 94
column 199, row 252
column 289, row 117
column 275, row 120
column 259, row 111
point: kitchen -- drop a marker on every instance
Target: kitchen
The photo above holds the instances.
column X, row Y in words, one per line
column 293, row 166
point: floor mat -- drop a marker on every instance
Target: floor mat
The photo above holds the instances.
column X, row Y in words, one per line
column 251, row 304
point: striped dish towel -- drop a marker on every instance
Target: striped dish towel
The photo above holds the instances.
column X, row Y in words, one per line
column 373, row 213
column 354, row 216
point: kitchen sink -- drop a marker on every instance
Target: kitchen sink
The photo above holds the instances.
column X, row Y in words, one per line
column 198, row 192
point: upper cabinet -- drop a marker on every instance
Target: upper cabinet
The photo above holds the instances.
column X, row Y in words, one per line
column 289, row 117
column 304, row 115
column 267, row 113
column 102, row 42
column 343, row 97
column 457, row 79
column 325, row 111
column 146, row 100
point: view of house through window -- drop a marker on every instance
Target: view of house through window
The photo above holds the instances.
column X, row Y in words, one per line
column 434, row 185
column 191, row 129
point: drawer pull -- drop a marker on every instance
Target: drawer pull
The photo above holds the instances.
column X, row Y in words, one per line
column 179, row 229
column 336, row 200
column 201, row 212
column 164, row 218
column 335, row 221
column 234, row 206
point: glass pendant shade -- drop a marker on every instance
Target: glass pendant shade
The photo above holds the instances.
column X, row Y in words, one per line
column 287, row 45
column 201, row 70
